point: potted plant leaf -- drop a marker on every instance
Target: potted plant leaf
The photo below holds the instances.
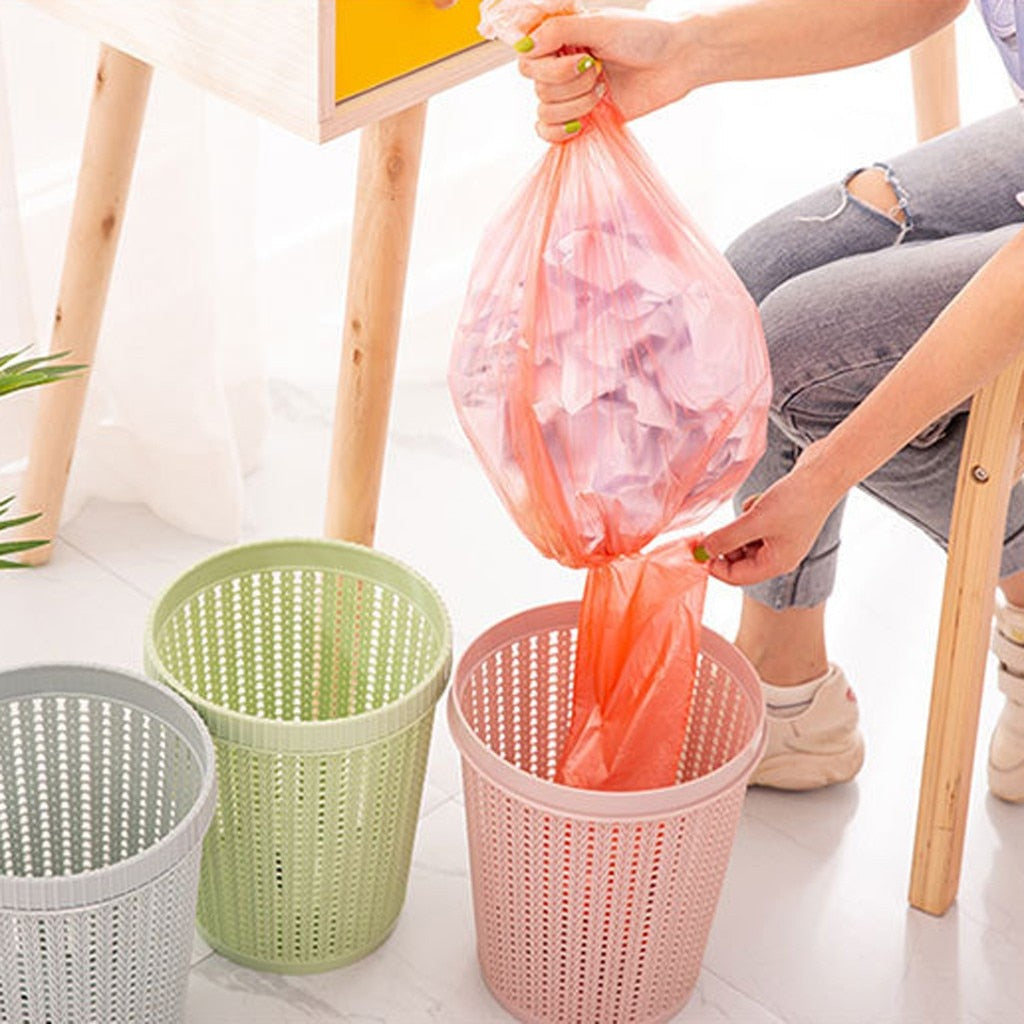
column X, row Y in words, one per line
column 16, row 374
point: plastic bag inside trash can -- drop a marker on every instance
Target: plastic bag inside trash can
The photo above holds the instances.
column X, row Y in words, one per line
column 639, row 633
column 610, row 371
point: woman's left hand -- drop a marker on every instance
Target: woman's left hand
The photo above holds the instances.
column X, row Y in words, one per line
column 776, row 529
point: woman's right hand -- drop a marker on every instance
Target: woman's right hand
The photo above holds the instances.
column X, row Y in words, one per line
column 641, row 61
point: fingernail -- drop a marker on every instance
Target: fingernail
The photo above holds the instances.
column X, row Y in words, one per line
column 585, row 64
column 572, row 127
column 525, row 45
column 701, row 554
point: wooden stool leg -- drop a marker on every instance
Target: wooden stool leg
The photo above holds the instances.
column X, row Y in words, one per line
column 111, row 139
column 987, row 471
column 389, row 159
column 936, row 96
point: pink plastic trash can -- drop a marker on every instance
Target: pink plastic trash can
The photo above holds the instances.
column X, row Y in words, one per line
column 593, row 907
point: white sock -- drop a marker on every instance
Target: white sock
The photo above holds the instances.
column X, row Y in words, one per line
column 790, row 701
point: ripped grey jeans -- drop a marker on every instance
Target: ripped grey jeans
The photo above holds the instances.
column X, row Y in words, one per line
column 844, row 291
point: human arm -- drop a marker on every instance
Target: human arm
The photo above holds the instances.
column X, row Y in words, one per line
column 978, row 334
column 647, row 62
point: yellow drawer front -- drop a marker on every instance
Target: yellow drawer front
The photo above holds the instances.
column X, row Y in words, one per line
column 379, row 40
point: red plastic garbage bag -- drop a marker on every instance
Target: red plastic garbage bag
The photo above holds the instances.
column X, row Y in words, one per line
column 610, row 371
column 639, row 634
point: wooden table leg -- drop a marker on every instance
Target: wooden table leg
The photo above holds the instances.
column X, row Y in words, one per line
column 111, row 140
column 389, row 160
column 936, row 96
column 987, row 474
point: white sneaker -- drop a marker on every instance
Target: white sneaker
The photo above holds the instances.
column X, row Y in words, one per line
column 1006, row 751
column 818, row 747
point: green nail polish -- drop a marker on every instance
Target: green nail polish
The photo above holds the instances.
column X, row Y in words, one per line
column 573, row 127
column 585, row 64
column 525, row 45
column 700, row 554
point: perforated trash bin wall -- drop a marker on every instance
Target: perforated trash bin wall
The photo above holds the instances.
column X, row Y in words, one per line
column 106, row 789
column 317, row 666
column 593, row 907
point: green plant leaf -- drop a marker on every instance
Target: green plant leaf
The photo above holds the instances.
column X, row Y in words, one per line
column 9, row 524
column 6, row 357
column 13, row 547
column 29, row 373
column 15, row 375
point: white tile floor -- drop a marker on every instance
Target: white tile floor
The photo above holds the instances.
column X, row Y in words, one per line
column 813, row 925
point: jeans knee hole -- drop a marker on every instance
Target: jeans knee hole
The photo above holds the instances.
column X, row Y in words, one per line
column 876, row 190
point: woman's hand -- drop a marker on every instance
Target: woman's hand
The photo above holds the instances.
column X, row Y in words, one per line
column 639, row 59
column 648, row 62
column 777, row 528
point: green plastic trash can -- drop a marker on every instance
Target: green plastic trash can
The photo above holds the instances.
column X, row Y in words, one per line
column 316, row 666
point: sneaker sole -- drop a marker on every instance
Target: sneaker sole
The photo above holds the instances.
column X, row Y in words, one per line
column 798, row 771
column 1006, row 784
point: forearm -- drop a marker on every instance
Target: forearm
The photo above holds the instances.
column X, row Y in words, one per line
column 975, row 337
column 779, row 38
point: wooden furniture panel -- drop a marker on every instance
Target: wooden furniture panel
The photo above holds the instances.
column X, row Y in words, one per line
column 260, row 54
column 280, row 58
column 277, row 58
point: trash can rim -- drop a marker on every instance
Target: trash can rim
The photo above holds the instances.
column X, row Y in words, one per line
column 319, row 736
column 612, row 805
column 57, row 893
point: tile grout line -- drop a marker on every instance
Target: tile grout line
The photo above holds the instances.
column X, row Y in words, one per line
column 746, row 995
column 201, row 960
column 433, row 810
column 109, row 570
